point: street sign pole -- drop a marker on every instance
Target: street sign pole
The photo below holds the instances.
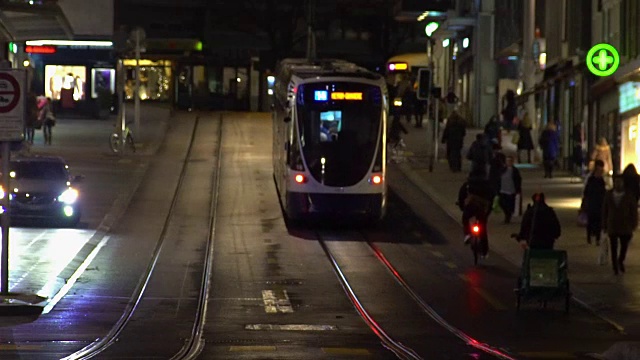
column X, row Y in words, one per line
column 12, row 113
column 5, row 220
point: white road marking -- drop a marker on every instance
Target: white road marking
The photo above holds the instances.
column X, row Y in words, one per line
column 274, row 304
column 76, row 275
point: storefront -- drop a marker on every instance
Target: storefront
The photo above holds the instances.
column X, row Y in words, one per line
column 79, row 77
column 629, row 105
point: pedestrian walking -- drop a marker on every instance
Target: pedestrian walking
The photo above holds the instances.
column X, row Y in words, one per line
column 418, row 109
column 620, row 215
column 451, row 101
column 31, row 121
column 602, row 152
column 592, row 200
column 510, row 186
column 493, row 132
column 525, row 141
column 631, row 181
column 47, row 118
column 453, row 136
column 578, row 152
column 550, row 144
column 480, row 155
column 509, row 109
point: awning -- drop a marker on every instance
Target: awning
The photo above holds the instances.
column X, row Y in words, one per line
column 20, row 21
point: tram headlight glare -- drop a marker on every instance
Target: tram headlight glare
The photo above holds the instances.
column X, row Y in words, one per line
column 300, row 179
column 376, row 180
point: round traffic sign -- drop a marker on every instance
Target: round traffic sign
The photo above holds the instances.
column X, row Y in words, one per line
column 9, row 92
column 603, row 60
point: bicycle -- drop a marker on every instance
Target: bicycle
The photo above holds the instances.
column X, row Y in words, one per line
column 474, row 240
column 115, row 140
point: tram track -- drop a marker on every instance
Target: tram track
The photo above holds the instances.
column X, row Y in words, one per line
column 394, row 345
column 193, row 345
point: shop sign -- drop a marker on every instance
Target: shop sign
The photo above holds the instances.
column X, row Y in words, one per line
column 40, row 49
column 603, row 60
column 11, row 104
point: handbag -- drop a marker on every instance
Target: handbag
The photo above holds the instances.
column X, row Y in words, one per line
column 495, row 206
column 603, row 256
column 515, row 138
column 582, row 218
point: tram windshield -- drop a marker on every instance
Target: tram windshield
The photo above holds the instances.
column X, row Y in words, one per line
column 339, row 124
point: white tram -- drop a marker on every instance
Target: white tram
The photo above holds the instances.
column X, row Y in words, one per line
column 329, row 139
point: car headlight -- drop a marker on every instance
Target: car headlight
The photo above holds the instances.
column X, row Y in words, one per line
column 69, row 196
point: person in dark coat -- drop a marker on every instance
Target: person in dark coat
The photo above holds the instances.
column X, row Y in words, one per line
column 510, row 185
column 509, row 109
column 453, row 136
column 525, row 141
column 620, row 219
column 480, row 155
column 493, row 132
column 496, row 167
column 31, row 121
column 550, row 144
column 631, row 181
column 592, row 200
column 540, row 227
column 418, row 109
column 474, row 199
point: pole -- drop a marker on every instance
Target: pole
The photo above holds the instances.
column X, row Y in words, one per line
column 121, row 123
column 136, row 96
column 528, row 67
column 5, row 219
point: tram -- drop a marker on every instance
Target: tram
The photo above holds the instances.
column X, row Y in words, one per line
column 329, row 140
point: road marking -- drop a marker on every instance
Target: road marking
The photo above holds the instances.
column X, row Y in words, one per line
column 252, row 348
column 437, row 254
column 275, row 302
column 347, row 351
column 485, row 295
column 291, row 327
column 451, row 265
column 20, row 347
column 72, row 280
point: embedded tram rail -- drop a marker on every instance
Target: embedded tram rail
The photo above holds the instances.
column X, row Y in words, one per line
column 401, row 350
column 192, row 345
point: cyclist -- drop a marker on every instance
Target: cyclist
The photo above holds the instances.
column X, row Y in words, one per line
column 474, row 199
column 540, row 226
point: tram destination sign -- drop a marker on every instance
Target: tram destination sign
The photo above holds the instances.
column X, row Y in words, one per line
column 12, row 104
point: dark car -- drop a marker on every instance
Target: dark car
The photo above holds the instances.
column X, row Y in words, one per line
column 41, row 189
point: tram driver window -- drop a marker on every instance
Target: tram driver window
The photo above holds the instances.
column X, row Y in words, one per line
column 330, row 125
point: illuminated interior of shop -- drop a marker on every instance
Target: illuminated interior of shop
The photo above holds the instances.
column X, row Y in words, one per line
column 630, row 144
column 65, row 82
column 155, row 79
column 102, row 78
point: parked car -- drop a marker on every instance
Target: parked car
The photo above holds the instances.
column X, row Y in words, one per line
column 42, row 189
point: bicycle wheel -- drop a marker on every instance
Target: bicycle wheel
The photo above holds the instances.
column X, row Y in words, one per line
column 474, row 249
column 114, row 142
column 130, row 143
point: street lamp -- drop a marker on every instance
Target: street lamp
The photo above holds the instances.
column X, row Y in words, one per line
column 430, row 28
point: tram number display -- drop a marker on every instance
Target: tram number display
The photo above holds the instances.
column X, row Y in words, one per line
column 323, row 95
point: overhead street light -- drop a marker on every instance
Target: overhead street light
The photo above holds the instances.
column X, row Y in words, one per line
column 430, row 28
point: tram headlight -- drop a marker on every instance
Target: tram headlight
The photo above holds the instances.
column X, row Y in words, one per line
column 397, row 102
column 376, row 179
column 300, row 179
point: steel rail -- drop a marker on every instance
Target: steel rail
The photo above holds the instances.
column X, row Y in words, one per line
column 100, row 345
column 400, row 350
column 492, row 350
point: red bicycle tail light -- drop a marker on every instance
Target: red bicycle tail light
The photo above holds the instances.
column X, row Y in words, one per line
column 475, row 229
column 300, row 179
column 376, row 180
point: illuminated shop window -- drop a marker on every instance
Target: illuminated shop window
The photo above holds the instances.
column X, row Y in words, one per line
column 65, row 82
column 155, row 79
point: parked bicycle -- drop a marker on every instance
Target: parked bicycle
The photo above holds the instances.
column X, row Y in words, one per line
column 115, row 140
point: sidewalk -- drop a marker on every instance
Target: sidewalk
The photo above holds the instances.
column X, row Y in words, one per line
column 615, row 298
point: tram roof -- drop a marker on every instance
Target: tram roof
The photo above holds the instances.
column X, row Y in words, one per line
column 305, row 68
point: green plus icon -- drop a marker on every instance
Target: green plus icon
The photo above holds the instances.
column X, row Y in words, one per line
column 603, row 60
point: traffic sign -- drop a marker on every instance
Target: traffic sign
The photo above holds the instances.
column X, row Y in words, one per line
column 603, row 60
column 12, row 104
